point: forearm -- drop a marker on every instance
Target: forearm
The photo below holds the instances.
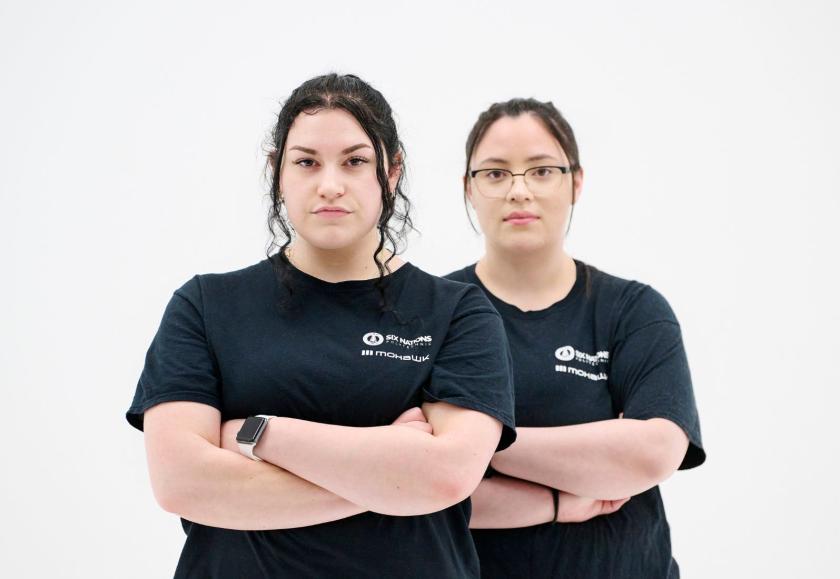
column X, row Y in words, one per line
column 502, row 502
column 611, row 459
column 388, row 469
column 220, row 488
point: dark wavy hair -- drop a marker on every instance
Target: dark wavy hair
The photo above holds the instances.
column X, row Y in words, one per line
column 367, row 105
column 547, row 113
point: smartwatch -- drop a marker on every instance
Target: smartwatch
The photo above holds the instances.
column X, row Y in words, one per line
column 250, row 433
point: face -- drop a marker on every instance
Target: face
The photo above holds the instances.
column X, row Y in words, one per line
column 521, row 221
column 328, row 181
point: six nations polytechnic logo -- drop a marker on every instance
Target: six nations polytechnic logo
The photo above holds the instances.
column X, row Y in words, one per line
column 565, row 353
column 373, row 338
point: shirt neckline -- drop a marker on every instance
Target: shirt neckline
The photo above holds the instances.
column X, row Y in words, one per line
column 298, row 276
column 508, row 309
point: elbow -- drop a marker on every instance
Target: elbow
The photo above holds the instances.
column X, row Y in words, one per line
column 166, row 499
column 667, row 446
column 450, row 492
column 441, row 492
column 658, row 469
column 461, row 475
column 456, row 485
column 173, row 496
column 169, row 498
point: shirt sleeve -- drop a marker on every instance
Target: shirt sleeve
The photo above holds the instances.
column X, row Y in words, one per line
column 649, row 372
column 180, row 364
column 473, row 368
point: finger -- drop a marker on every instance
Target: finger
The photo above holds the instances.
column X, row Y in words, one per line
column 419, row 425
column 424, row 426
column 613, row 506
column 411, row 414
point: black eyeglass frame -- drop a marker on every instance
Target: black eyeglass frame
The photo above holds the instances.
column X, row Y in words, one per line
column 563, row 169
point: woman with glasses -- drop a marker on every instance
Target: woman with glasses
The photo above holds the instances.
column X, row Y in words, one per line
column 327, row 411
column 604, row 402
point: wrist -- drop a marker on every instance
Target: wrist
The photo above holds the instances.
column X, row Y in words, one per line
column 251, row 435
column 264, row 445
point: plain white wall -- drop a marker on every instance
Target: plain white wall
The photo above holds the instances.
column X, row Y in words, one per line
column 130, row 143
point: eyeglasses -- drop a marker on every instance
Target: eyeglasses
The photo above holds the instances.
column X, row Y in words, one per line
column 541, row 181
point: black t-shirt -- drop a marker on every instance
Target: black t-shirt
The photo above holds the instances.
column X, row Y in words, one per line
column 609, row 346
column 257, row 342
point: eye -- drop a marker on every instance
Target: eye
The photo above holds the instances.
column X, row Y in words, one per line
column 495, row 174
column 543, row 171
column 357, row 161
column 305, row 163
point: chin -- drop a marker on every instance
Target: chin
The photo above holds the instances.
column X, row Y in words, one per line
column 331, row 240
column 520, row 243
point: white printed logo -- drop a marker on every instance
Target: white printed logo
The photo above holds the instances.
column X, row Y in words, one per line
column 565, row 353
column 373, row 338
column 413, row 345
column 394, row 356
column 569, row 354
column 582, row 373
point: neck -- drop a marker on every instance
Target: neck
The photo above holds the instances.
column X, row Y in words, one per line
column 530, row 280
column 342, row 264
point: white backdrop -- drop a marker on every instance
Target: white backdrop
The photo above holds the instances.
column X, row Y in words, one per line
column 130, row 143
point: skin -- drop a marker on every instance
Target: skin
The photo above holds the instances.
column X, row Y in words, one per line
column 597, row 465
column 503, row 502
column 432, row 457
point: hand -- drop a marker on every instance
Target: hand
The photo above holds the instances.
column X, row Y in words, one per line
column 575, row 509
column 414, row 418
column 227, row 436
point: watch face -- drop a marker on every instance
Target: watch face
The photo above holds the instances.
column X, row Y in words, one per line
column 250, row 430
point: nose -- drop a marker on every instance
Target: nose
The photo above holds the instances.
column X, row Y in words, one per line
column 330, row 185
column 518, row 190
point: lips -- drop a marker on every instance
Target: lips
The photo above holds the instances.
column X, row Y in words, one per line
column 520, row 217
column 331, row 211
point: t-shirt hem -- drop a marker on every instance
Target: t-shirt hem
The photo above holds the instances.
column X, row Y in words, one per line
column 135, row 413
column 508, row 426
column 695, row 455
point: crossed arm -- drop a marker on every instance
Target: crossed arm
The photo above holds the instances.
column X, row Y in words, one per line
column 607, row 461
column 312, row 472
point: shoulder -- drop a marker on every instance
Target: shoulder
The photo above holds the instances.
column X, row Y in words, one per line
column 463, row 275
column 461, row 295
column 211, row 286
column 630, row 303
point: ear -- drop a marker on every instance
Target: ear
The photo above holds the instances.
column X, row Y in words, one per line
column 467, row 189
column 394, row 171
column 273, row 160
column 577, row 185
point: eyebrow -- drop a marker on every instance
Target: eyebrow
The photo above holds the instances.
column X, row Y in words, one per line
column 528, row 160
column 309, row 151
